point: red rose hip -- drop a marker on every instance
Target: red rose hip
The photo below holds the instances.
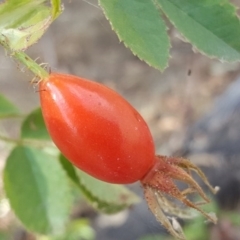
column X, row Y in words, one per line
column 102, row 134
column 96, row 129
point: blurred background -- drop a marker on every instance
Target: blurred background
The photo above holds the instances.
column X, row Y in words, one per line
column 192, row 109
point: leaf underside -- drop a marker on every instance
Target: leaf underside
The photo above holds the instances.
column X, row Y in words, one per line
column 33, row 126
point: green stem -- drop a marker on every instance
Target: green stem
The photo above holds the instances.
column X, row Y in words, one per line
column 22, row 57
column 9, row 140
column 30, row 64
column 12, row 116
column 31, row 142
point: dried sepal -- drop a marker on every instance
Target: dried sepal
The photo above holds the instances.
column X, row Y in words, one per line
column 158, row 211
column 159, row 185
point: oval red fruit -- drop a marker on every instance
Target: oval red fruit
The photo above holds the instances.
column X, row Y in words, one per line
column 102, row 134
column 96, row 129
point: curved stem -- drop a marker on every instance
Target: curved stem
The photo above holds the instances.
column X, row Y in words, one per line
column 9, row 140
column 12, row 116
column 30, row 64
column 22, row 57
column 33, row 142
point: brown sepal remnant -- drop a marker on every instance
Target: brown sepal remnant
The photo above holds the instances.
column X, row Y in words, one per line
column 159, row 183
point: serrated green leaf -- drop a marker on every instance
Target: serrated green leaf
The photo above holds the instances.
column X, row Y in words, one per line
column 109, row 198
column 38, row 191
column 139, row 25
column 7, row 109
column 212, row 26
column 106, row 197
column 33, row 126
column 22, row 23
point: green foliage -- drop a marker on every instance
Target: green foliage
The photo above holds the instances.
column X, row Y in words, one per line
column 34, row 127
column 57, row 8
column 34, row 182
column 37, row 189
column 139, row 25
column 198, row 229
column 76, row 230
column 153, row 237
column 211, row 26
column 22, row 23
column 4, row 236
column 7, row 109
column 109, row 198
column 69, row 168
